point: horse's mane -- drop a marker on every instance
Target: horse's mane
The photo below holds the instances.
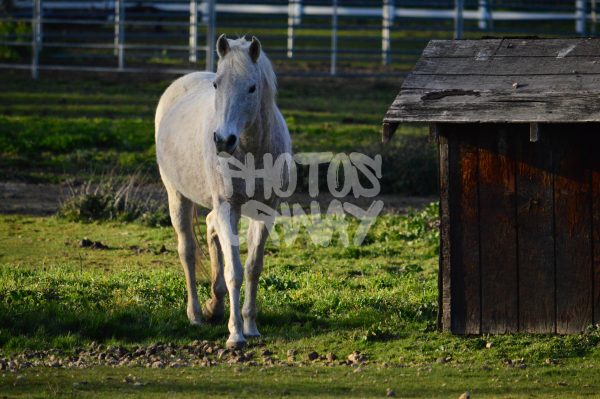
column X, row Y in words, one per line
column 240, row 60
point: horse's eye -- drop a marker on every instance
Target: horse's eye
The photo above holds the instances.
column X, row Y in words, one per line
column 252, row 89
column 215, row 85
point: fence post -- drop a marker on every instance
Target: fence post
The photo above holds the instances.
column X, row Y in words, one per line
column 594, row 16
column 484, row 15
column 193, row 31
column 36, row 37
column 458, row 18
column 294, row 19
column 120, row 32
column 334, row 26
column 580, row 17
column 388, row 13
column 210, row 34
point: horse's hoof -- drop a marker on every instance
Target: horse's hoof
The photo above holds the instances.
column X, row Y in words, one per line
column 194, row 318
column 212, row 316
column 252, row 335
column 251, row 332
column 236, row 342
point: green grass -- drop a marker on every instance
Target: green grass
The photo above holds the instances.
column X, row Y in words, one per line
column 571, row 380
column 54, row 293
column 379, row 298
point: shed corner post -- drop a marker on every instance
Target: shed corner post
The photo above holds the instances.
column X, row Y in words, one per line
column 444, row 319
column 389, row 128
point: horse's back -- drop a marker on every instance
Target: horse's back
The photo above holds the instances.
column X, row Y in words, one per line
column 187, row 85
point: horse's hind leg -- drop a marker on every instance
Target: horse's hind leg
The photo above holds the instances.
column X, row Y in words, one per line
column 214, row 308
column 257, row 237
column 181, row 210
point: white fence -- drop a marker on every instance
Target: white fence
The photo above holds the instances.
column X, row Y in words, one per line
column 203, row 17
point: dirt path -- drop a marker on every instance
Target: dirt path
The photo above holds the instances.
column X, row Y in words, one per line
column 44, row 199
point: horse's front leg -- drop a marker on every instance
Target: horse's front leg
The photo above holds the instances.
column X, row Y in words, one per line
column 257, row 237
column 227, row 229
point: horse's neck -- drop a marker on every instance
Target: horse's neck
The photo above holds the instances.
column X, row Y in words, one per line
column 257, row 138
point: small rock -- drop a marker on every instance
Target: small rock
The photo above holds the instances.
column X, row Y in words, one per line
column 221, row 354
column 313, row 356
column 488, row 345
column 466, row 395
column 441, row 360
column 389, row 393
column 266, row 352
column 291, row 352
column 55, row 364
column 331, row 357
column 158, row 365
column 356, row 357
column 161, row 250
column 87, row 243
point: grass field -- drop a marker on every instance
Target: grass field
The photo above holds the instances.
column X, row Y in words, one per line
column 58, row 299
column 55, row 130
column 88, row 322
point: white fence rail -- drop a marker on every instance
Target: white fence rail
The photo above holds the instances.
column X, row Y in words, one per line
column 203, row 17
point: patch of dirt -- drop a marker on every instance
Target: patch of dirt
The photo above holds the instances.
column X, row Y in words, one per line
column 169, row 355
column 44, row 199
column 30, row 198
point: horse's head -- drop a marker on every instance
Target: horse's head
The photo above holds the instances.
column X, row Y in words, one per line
column 238, row 88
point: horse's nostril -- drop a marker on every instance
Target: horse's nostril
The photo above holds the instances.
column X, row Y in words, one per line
column 231, row 141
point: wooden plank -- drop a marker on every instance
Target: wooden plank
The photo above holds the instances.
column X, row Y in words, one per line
column 498, row 233
column 573, row 244
column 580, row 47
column 461, row 48
column 505, row 66
column 503, row 84
column 464, row 229
column 535, row 221
column 473, row 106
column 558, row 48
column 444, row 275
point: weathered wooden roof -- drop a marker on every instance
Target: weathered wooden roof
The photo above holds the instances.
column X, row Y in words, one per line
column 501, row 80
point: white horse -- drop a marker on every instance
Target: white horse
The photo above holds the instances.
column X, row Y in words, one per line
column 200, row 117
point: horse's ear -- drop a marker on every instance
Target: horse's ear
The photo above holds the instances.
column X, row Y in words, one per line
column 254, row 49
column 222, row 46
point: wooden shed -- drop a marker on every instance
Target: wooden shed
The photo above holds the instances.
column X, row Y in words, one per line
column 517, row 122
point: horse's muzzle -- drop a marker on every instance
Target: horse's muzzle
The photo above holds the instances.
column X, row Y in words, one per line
column 227, row 145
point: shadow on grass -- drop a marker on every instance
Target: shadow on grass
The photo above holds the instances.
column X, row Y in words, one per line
column 53, row 325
